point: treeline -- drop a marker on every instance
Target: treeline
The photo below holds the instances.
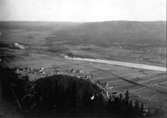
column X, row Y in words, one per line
column 122, row 104
column 67, row 94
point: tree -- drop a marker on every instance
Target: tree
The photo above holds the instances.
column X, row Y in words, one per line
column 126, row 97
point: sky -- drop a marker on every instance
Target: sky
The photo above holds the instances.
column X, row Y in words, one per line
column 82, row 10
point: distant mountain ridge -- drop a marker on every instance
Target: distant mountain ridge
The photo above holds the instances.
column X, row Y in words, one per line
column 107, row 32
column 100, row 32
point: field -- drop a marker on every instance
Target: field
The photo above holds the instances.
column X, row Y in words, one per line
column 45, row 45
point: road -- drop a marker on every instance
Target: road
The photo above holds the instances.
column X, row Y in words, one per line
column 120, row 63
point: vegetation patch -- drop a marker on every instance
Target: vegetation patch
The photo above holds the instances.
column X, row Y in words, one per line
column 65, row 94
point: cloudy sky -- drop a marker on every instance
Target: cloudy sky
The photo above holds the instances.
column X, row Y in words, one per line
column 82, row 10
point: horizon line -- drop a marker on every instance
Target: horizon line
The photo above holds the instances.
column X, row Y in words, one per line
column 83, row 21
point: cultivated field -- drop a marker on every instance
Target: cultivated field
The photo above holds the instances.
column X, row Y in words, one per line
column 45, row 45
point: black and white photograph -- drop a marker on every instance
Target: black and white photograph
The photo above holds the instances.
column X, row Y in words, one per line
column 83, row 59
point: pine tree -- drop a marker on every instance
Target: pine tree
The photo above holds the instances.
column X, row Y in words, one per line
column 127, row 97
